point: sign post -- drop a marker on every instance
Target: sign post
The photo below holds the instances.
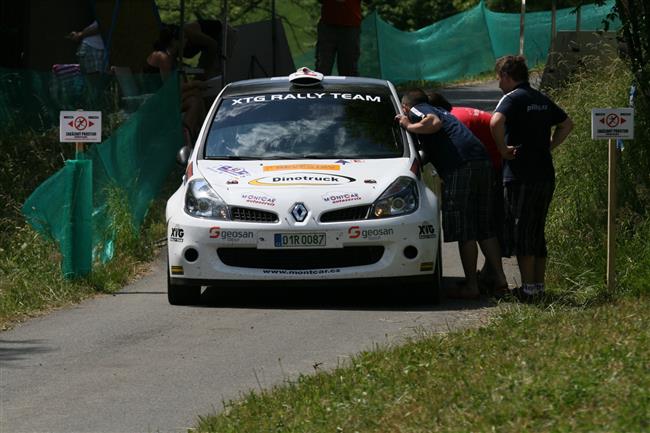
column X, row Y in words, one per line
column 612, row 124
column 79, row 127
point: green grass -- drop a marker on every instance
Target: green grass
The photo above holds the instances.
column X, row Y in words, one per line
column 552, row 370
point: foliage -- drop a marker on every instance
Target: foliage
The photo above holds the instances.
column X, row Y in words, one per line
column 411, row 15
column 635, row 17
column 577, row 221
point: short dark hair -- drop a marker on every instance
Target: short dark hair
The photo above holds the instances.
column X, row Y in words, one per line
column 513, row 66
column 414, row 97
column 437, row 100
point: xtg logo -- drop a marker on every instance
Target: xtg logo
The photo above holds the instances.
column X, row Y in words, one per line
column 427, row 231
column 176, row 234
column 355, row 232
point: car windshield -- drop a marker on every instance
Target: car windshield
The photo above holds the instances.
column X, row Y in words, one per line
column 308, row 125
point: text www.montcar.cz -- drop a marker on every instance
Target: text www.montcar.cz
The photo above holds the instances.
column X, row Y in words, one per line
column 301, row 272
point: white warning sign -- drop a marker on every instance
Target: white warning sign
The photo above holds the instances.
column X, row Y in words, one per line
column 612, row 123
column 80, row 126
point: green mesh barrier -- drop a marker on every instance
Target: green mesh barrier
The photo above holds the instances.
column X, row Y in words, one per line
column 462, row 45
column 136, row 159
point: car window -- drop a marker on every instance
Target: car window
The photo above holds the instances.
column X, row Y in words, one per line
column 312, row 124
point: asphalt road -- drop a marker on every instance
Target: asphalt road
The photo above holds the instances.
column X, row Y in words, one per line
column 132, row 363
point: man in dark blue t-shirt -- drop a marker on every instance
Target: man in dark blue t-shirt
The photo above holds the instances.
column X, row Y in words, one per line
column 521, row 126
column 462, row 162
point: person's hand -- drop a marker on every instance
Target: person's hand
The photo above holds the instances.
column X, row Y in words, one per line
column 75, row 36
column 402, row 120
column 510, row 153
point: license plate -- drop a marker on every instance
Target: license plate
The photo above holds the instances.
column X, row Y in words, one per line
column 293, row 240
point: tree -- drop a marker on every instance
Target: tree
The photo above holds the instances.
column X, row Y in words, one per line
column 635, row 16
column 409, row 15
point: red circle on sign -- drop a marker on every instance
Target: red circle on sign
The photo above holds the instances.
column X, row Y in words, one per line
column 80, row 123
column 612, row 120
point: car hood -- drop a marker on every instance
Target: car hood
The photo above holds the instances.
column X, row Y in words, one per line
column 323, row 183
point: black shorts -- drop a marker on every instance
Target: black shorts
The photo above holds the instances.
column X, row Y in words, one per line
column 467, row 203
column 526, row 209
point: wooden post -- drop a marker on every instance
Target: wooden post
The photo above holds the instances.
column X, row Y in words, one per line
column 522, row 19
column 553, row 24
column 611, row 216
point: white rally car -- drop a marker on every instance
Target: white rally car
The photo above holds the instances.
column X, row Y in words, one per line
column 303, row 178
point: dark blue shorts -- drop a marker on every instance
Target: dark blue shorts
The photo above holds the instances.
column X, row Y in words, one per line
column 526, row 207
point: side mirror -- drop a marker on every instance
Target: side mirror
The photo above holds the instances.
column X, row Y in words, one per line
column 183, row 155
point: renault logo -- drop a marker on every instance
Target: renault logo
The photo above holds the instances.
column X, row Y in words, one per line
column 299, row 212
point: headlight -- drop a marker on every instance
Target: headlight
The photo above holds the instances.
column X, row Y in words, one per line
column 400, row 198
column 201, row 201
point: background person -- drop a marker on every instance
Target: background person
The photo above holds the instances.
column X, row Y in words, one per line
column 478, row 122
column 339, row 32
column 162, row 61
column 91, row 57
column 463, row 164
column 522, row 127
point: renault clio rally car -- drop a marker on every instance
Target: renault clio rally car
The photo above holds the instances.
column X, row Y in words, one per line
column 303, row 178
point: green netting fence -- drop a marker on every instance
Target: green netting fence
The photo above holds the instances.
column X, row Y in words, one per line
column 462, row 45
column 71, row 206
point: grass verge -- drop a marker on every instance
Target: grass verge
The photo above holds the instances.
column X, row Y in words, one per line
column 551, row 370
column 31, row 281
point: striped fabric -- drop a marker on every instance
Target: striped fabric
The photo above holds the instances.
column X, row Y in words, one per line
column 467, row 203
column 526, row 207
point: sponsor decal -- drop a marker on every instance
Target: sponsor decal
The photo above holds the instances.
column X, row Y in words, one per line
column 301, row 167
column 262, row 199
column 355, row 232
column 295, row 96
column 426, row 266
column 176, row 234
column 427, row 231
column 231, row 171
column 177, row 270
column 340, row 197
column 230, row 235
column 301, row 271
column 302, row 178
column 342, row 161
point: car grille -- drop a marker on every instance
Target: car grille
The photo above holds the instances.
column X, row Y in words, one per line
column 346, row 214
column 321, row 258
column 252, row 215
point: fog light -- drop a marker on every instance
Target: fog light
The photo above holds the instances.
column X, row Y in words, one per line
column 191, row 255
column 410, row 252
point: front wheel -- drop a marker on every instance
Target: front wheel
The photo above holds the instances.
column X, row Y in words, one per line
column 429, row 289
column 181, row 294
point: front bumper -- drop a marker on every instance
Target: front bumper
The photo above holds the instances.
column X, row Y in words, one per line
column 204, row 251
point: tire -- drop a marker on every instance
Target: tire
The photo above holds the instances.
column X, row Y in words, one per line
column 182, row 294
column 430, row 288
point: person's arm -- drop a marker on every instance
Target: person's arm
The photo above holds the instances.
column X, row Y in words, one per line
column 561, row 132
column 430, row 124
column 92, row 29
column 498, row 131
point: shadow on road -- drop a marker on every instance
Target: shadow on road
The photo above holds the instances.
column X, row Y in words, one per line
column 334, row 297
column 16, row 350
